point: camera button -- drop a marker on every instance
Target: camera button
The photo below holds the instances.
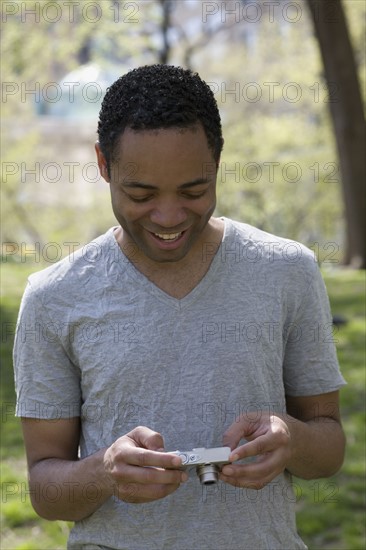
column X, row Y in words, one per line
column 193, row 458
column 185, row 458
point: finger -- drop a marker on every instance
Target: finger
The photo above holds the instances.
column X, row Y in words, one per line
column 264, row 443
column 144, row 437
column 259, row 446
column 264, row 466
column 254, row 475
column 232, row 436
column 243, row 427
column 137, row 456
column 255, row 483
column 148, row 476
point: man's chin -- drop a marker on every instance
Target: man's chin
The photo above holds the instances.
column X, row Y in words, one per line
column 166, row 257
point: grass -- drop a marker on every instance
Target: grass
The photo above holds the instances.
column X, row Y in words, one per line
column 21, row 528
column 330, row 512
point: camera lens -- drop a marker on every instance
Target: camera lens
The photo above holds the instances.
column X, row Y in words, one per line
column 208, row 474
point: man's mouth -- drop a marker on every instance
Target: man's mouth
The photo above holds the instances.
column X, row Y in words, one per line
column 168, row 237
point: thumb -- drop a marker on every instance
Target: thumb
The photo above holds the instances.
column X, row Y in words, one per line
column 242, row 428
column 147, row 439
column 233, row 434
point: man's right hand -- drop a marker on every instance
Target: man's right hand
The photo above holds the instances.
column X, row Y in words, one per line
column 139, row 469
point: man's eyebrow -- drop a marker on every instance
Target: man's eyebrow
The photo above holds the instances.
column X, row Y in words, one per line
column 141, row 185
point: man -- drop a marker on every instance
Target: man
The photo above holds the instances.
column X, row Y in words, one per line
column 175, row 330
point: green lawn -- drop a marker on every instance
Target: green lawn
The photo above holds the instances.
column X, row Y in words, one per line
column 330, row 511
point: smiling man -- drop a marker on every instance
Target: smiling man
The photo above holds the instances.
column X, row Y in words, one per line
column 163, row 191
column 180, row 330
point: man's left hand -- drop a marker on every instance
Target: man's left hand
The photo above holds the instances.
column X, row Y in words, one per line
column 268, row 440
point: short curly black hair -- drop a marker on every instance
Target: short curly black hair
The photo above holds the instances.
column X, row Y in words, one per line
column 158, row 96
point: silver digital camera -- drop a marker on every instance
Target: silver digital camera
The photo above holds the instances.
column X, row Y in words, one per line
column 208, row 462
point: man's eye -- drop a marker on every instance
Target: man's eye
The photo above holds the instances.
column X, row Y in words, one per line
column 195, row 195
column 139, row 199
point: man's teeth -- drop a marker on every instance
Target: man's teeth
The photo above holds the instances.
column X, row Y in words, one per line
column 168, row 236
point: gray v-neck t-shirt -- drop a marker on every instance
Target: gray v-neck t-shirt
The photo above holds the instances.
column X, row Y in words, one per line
column 97, row 339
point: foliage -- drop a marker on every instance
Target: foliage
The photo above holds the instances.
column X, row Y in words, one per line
column 36, row 208
column 276, row 59
column 287, row 180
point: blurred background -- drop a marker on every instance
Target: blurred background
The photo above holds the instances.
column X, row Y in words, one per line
column 289, row 78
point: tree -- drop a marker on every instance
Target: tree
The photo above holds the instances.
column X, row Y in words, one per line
column 348, row 119
column 164, row 54
column 278, row 168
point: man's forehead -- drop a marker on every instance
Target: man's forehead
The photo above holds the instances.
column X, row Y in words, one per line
column 145, row 143
column 137, row 132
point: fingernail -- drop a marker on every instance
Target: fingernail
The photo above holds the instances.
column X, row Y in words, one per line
column 228, row 471
column 233, row 458
column 177, row 461
column 184, row 477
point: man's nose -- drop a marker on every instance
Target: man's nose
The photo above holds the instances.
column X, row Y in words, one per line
column 168, row 213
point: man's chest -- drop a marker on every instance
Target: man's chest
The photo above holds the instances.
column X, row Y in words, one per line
column 180, row 284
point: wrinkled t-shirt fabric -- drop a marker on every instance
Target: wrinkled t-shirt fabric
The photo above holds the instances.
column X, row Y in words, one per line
column 97, row 339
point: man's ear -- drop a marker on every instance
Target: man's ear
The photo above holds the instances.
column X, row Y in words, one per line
column 102, row 163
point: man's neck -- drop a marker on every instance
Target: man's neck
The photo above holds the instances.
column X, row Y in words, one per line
column 177, row 278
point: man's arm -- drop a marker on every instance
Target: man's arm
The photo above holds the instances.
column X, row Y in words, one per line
column 64, row 487
column 317, row 438
column 308, row 441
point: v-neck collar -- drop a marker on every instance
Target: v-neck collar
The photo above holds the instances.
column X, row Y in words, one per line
column 149, row 286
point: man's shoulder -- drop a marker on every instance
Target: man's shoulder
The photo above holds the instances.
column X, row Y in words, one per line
column 75, row 268
column 277, row 257
column 267, row 245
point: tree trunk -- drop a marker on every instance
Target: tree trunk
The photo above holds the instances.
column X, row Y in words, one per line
column 348, row 119
column 164, row 53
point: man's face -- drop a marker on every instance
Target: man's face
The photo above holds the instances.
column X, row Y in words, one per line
column 163, row 190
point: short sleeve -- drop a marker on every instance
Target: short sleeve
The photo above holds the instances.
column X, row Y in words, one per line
column 47, row 383
column 310, row 363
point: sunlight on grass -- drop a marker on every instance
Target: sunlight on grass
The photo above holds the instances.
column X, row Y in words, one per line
column 340, row 525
